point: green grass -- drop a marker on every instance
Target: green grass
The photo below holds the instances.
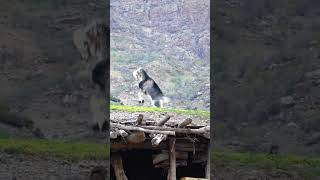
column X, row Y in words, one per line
column 200, row 113
column 306, row 167
column 55, row 148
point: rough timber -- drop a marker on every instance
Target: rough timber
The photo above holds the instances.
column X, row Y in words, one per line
column 178, row 141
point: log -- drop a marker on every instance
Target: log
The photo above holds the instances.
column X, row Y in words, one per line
column 131, row 122
column 159, row 158
column 201, row 131
column 136, row 137
column 133, row 128
column 139, row 120
column 163, row 121
column 172, row 158
column 187, row 147
column 113, row 135
column 184, row 123
column 166, row 164
column 116, row 162
column 122, row 133
column 179, row 130
column 165, row 156
column 158, row 139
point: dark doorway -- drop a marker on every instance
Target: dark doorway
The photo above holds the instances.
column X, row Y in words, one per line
column 192, row 170
column 138, row 166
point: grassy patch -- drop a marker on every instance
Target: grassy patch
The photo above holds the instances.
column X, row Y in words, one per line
column 200, row 113
column 305, row 166
column 55, row 148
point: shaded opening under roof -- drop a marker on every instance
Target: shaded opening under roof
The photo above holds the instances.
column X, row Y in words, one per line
column 138, row 166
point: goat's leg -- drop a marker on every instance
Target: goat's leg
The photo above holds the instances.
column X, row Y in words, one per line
column 161, row 103
column 140, row 96
column 156, row 103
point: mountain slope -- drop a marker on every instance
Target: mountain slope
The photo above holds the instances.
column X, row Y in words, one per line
column 170, row 39
column 266, row 70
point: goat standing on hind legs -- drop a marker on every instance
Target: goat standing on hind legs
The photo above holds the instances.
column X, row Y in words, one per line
column 150, row 88
column 92, row 42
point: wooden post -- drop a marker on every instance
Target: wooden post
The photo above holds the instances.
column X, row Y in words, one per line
column 139, row 119
column 116, row 161
column 169, row 174
column 208, row 163
column 172, row 157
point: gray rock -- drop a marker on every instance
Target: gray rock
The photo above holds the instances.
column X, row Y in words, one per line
column 287, row 101
column 313, row 74
column 313, row 139
column 292, row 125
column 69, row 99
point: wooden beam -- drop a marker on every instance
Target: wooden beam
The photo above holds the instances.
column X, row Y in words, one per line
column 165, row 156
column 166, row 164
column 201, row 131
column 160, row 157
column 183, row 146
column 172, row 158
column 133, row 128
column 116, row 162
column 184, row 123
column 131, row 122
column 163, row 121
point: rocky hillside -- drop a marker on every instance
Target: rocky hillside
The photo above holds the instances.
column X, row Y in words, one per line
column 266, row 65
column 171, row 40
column 40, row 70
column 267, row 75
